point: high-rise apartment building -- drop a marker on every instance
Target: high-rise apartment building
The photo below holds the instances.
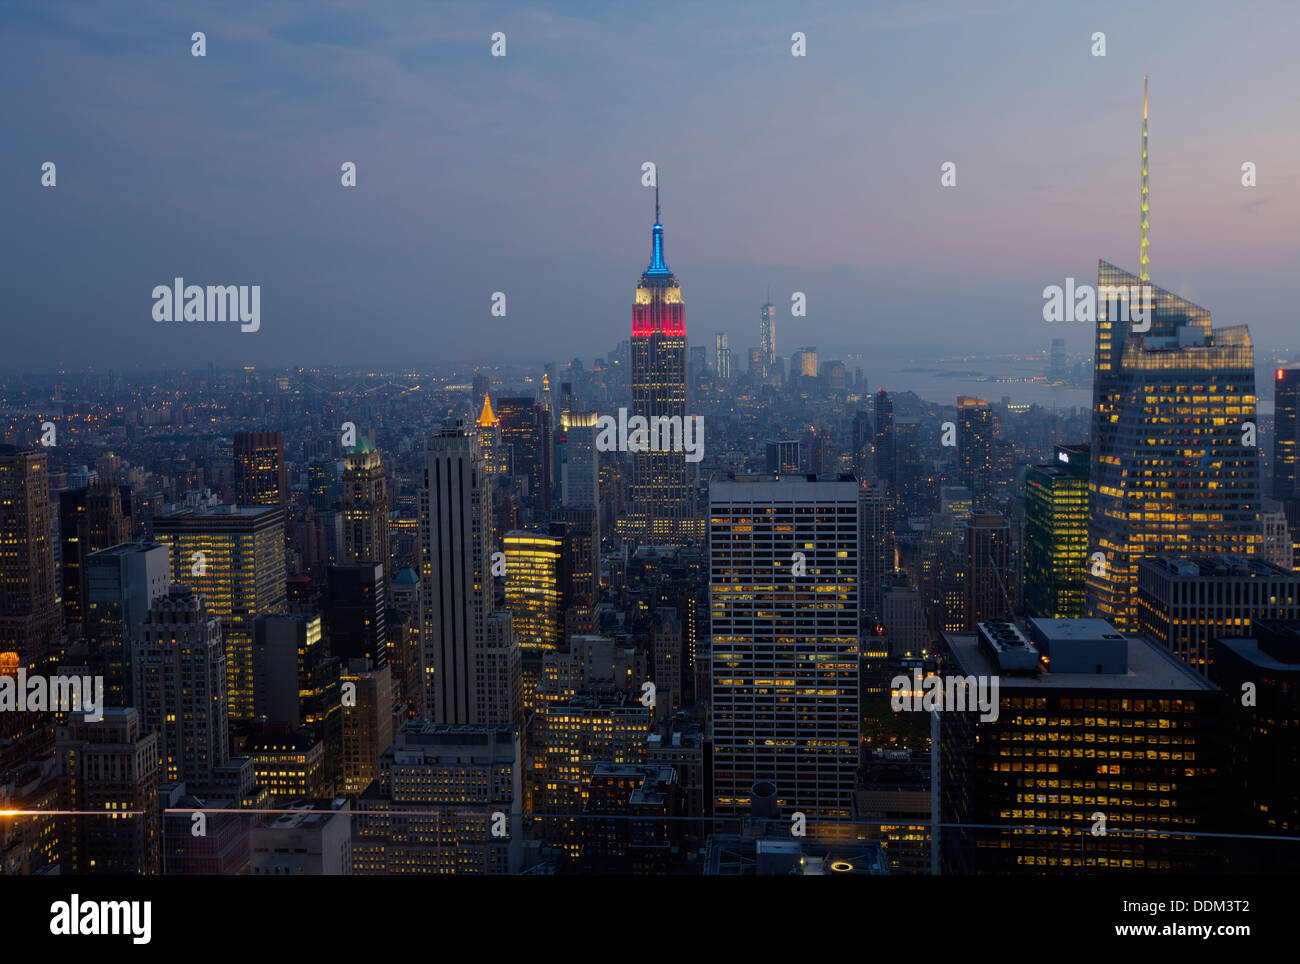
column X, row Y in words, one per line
column 784, row 573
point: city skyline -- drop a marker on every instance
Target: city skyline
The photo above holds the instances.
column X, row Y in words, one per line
column 845, row 179
column 929, row 556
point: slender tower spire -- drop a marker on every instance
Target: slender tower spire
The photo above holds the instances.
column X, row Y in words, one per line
column 657, row 265
column 1144, row 246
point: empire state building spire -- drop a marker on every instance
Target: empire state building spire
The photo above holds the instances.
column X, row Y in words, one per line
column 1144, row 252
column 657, row 266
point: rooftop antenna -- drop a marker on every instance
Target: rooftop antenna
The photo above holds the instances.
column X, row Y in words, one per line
column 1144, row 245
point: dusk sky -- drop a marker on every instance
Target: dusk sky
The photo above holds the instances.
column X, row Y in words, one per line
column 522, row 173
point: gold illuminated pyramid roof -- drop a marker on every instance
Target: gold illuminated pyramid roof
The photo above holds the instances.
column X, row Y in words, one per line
column 486, row 418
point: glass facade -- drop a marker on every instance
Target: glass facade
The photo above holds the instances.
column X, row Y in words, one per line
column 1171, row 471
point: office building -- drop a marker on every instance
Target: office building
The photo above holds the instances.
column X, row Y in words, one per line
column 1185, row 603
column 455, row 573
column 783, row 457
column 31, row 622
column 109, row 771
column 663, row 508
column 1116, row 729
column 121, row 584
column 1286, row 433
column 990, row 585
column 1056, row 534
column 364, row 507
column 975, row 436
column 785, row 645
column 234, row 556
column 259, row 469
column 525, row 428
column 1170, row 473
column 90, row 519
column 354, row 614
column 533, row 588
column 436, row 803
column 180, row 688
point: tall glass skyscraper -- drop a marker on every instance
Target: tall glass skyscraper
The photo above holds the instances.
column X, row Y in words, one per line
column 1170, row 472
column 1056, row 534
column 1172, row 398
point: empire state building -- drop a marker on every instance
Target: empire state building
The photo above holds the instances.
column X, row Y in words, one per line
column 663, row 498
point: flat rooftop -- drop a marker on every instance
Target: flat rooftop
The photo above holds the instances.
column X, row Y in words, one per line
column 1150, row 668
column 1204, row 566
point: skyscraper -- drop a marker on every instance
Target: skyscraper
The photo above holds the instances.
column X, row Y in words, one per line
column 354, row 614
column 1171, row 397
column 722, row 357
column 877, row 545
column 1286, row 433
column 488, row 430
column 1056, row 534
column 90, row 519
column 30, row 621
column 533, row 588
column 234, row 556
column 259, row 469
column 663, row 499
column 121, row 584
column 364, row 504
column 180, row 685
column 990, row 593
column 975, row 447
column 526, row 433
column 785, row 641
column 1085, row 719
column 767, row 336
column 455, row 577
column 885, row 439
column 110, row 773
column 580, row 473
